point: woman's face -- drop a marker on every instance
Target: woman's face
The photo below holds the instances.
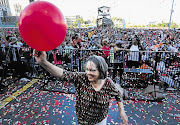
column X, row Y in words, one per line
column 92, row 71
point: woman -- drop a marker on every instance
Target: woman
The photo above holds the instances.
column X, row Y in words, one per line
column 106, row 47
column 93, row 89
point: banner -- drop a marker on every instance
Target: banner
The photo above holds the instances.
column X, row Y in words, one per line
column 123, row 23
column 78, row 24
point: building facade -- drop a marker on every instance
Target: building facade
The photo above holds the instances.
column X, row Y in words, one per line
column 4, row 8
column 10, row 11
column 71, row 19
column 12, row 7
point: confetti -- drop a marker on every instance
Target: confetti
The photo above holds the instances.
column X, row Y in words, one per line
column 35, row 107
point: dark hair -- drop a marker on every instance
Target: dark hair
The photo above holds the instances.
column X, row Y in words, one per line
column 135, row 42
column 73, row 37
column 8, row 38
column 119, row 45
column 68, row 42
column 101, row 65
column 137, row 38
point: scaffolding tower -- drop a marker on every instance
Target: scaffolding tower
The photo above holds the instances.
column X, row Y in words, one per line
column 104, row 17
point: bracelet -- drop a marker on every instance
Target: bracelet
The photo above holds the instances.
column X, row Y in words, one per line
column 122, row 108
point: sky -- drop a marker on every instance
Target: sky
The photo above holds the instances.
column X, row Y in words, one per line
column 133, row 11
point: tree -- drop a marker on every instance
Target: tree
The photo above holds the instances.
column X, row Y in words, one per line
column 114, row 19
column 174, row 25
column 159, row 25
column 81, row 21
column 117, row 21
column 70, row 26
column 94, row 21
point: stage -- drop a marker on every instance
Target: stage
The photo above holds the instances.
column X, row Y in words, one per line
column 27, row 104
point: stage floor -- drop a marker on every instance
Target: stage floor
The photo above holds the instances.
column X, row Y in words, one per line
column 25, row 104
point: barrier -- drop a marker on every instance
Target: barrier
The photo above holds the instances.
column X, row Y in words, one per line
column 133, row 69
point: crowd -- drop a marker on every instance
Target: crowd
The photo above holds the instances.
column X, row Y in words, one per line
column 149, row 39
column 105, row 39
column 164, row 41
column 97, row 38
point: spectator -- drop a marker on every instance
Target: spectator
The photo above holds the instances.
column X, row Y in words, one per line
column 68, row 52
column 77, row 41
column 134, row 54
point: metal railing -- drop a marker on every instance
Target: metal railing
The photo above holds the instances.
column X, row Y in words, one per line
column 131, row 68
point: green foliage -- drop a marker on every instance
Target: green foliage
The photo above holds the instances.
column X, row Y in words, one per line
column 94, row 21
column 165, row 25
column 75, row 24
column 81, row 21
column 71, row 26
column 174, row 25
column 117, row 21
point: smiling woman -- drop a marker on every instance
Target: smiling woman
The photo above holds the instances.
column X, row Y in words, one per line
column 98, row 63
column 93, row 89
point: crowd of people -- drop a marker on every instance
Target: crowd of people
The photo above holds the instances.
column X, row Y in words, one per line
column 161, row 42
column 97, row 38
column 100, row 41
column 149, row 39
column 104, row 38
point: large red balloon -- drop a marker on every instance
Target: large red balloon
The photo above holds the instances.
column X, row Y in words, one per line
column 42, row 26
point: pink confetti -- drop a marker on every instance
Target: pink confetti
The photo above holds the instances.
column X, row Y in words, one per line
column 56, row 102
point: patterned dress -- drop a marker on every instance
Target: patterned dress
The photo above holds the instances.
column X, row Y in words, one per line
column 91, row 106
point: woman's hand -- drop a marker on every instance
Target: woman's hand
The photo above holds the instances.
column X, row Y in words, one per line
column 41, row 58
column 124, row 117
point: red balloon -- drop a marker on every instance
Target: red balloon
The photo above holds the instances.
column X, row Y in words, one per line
column 42, row 26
